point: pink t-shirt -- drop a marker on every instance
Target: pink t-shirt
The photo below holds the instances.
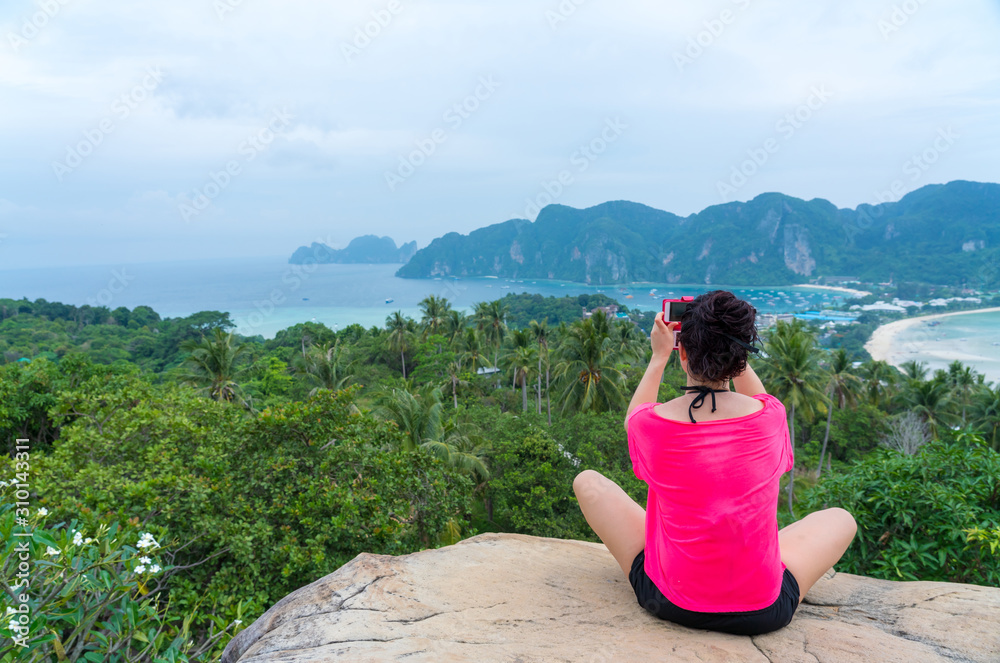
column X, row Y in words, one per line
column 711, row 514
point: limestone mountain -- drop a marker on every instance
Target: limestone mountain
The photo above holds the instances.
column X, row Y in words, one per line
column 945, row 234
column 368, row 249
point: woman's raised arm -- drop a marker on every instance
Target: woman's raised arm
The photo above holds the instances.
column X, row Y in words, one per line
column 661, row 338
column 748, row 384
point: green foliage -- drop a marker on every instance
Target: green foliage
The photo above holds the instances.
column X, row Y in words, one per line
column 985, row 538
column 589, row 378
column 41, row 328
column 531, row 486
column 420, row 416
column 600, row 443
column 91, row 598
column 523, row 308
column 252, row 505
column 913, row 511
column 854, row 433
column 260, row 505
column 214, row 365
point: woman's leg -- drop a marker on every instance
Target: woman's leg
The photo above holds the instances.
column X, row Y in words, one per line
column 613, row 515
column 811, row 546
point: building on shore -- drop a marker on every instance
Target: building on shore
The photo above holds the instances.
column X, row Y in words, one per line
column 610, row 311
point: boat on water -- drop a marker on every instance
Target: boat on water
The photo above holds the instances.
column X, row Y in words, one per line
column 389, row 300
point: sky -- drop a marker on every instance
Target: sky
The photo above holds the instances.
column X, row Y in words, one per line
column 136, row 132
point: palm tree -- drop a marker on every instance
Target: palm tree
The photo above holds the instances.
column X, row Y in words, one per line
column 491, row 321
column 471, row 346
column 914, row 370
column 455, row 325
column 213, row 364
column 841, row 387
column 587, row 371
column 542, row 333
column 880, row 379
column 325, row 366
column 986, row 415
column 792, row 374
column 520, row 339
column 522, row 359
column 932, row 401
column 435, row 313
column 962, row 380
column 400, row 330
column 419, row 415
column 630, row 342
column 454, row 373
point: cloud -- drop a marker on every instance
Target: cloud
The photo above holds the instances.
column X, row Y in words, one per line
column 564, row 67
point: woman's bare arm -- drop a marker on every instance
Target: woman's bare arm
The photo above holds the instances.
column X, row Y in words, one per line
column 662, row 340
column 748, row 384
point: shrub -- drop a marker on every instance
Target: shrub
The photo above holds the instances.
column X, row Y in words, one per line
column 258, row 505
column 531, row 486
column 912, row 511
column 90, row 598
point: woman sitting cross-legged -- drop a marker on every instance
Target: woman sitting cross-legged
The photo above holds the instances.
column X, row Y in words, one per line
column 707, row 553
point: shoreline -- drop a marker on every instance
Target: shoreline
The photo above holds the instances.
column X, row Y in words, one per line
column 835, row 288
column 881, row 343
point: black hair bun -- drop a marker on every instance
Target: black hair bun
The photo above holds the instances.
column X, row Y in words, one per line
column 706, row 323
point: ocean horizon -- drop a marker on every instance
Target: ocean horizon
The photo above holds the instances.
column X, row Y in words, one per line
column 266, row 295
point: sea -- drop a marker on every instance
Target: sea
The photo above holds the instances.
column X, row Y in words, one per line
column 973, row 339
column 266, row 295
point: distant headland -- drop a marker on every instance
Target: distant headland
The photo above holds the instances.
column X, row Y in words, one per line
column 368, row 249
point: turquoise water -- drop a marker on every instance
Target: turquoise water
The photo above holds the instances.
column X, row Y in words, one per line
column 265, row 295
column 973, row 339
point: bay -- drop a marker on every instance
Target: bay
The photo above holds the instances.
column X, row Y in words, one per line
column 266, row 295
column 971, row 338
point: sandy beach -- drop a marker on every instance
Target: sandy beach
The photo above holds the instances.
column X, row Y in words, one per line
column 834, row 288
column 884, row 346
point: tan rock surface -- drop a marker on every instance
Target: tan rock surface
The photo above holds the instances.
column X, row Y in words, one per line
column 522, row 599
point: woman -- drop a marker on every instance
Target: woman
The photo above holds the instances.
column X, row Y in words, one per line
column 707, row 552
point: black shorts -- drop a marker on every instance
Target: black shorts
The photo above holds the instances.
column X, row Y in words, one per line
column 754, row 622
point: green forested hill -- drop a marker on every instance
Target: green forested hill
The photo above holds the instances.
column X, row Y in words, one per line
column 946, row 234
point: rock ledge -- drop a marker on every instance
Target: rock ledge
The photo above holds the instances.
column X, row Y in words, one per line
column 523, row 599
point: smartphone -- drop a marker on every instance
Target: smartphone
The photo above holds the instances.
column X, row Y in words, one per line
column 673, row 309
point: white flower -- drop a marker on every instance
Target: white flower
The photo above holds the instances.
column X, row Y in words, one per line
column 78, row 539
column 43, row 511
column 144, row 560
column 11, row 611
column 237, row 621
column 13, row 625
column 88, row 540
column 155, row 568
column 3, row 484
column 146, row 540
column 49, row 550
column 140, row 569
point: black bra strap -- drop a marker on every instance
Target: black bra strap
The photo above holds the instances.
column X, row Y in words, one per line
column 699, row 400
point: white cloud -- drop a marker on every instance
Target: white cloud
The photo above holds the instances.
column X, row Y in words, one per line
column 353, row 119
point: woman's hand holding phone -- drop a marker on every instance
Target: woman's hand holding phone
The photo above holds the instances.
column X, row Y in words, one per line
column 661, row 338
